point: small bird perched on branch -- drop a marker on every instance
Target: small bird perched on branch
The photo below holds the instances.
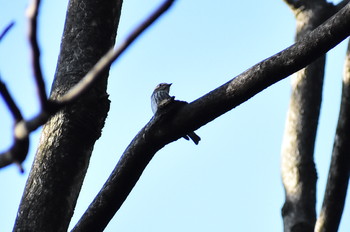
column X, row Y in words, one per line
column 160, row 97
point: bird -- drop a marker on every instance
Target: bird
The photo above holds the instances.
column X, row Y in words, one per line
column 160, row 97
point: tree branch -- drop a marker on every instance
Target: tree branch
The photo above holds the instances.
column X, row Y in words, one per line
column 7, row 29
column 183, row 118
column 94, row 74
column 18, row 151
column 68, row 137
column 297, row 163
column 11, row 105
column 339, row 170
column 51, row 107
column 32, row 13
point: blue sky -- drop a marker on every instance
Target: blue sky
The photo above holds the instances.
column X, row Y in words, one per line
column 231, row 180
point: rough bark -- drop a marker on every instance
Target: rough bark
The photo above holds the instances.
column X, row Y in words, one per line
column 68, row 138
column 298, row 169
column 338, row 176
column 189, row 117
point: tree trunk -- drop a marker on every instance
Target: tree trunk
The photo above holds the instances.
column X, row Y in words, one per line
column 68, row 138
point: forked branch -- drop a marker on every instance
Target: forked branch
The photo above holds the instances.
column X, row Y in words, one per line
column 49, row 107
column 163, row 129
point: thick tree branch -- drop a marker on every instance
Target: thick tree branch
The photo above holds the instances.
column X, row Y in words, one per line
column 298, row 169
column 68, row 137
column 64, row 156
column 170, row 126
column 338, row 176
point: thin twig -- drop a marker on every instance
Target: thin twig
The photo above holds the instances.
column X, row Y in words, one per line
column 4, row 32
column 32, row 14
column 19, row 149
column 12, row 106
column 18, row 152
column 50, row 107
column 339, row 170
column 92, row 76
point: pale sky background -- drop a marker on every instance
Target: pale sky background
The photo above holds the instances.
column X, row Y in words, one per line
column 231, row 180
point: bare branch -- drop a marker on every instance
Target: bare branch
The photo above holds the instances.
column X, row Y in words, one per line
column 92, row 76
column 19, row 149
column 339, row 170
column 32, row 13
column 298, row 169
column 18, row 152
column 163, row 129
column 12, row 106
column 50, row 107
column 297, row 163
column 84, row 137
column 4, row 32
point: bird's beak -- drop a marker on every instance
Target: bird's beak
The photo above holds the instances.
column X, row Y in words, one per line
column 170, row 84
